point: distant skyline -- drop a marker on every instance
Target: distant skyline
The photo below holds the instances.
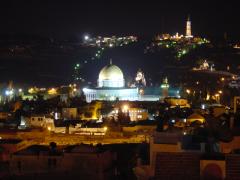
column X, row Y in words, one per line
column 63, row 19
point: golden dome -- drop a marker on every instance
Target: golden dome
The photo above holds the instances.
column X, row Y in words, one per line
column 111, row 76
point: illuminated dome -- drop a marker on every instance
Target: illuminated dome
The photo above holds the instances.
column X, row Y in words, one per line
column 111, row 76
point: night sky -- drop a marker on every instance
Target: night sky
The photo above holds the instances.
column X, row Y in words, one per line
column 63, row 18
column 68, row 19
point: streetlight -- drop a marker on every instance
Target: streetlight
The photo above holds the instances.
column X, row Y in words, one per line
column 86, row 37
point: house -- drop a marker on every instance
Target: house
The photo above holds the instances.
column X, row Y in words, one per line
column 85, row 161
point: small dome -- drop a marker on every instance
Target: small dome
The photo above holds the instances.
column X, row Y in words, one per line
column 111, row 76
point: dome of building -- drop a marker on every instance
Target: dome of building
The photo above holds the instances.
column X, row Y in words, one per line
column 111, row 76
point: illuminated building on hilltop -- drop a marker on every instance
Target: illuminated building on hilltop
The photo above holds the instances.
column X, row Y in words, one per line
column 188, row 28
column 111, row 86
column 111, row 76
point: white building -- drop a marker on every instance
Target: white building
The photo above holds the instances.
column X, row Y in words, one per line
column 37, row 121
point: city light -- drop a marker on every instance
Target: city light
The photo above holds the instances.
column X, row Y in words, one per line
column 125, row 108
column 9, row 92
column 52, row 91
column 105, row 128
column 32, row 90
column 86, row 37
column 188, row 91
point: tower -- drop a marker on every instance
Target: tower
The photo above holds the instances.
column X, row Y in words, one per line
column 188, row 28
column 165, row 87
column 140, row 79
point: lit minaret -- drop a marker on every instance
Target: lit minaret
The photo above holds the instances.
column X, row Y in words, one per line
column 165, row 87
column 188, row 28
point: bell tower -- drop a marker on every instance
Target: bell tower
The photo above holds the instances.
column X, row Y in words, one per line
column 188, row 28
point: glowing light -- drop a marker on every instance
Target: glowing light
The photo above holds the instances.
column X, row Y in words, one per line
column 20, row 90
column 86, row 37
column 184, row 51
column 164, row 86
column 75, row 89
column 222, row 79
column 9, row 92
column 31, row 90
column 52, row 91
column 105, row 128
column 125, row 108
column 141, row 91
column 49, row 128
column 208, row 97
column 188, row 91
column 220, row 92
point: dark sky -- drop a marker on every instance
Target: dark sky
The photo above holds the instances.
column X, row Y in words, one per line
column 63, row 18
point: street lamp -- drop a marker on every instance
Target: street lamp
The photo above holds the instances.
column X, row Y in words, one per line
column 86, row 37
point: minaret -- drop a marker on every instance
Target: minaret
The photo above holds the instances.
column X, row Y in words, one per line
column 188, row 28
column 165, row 87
